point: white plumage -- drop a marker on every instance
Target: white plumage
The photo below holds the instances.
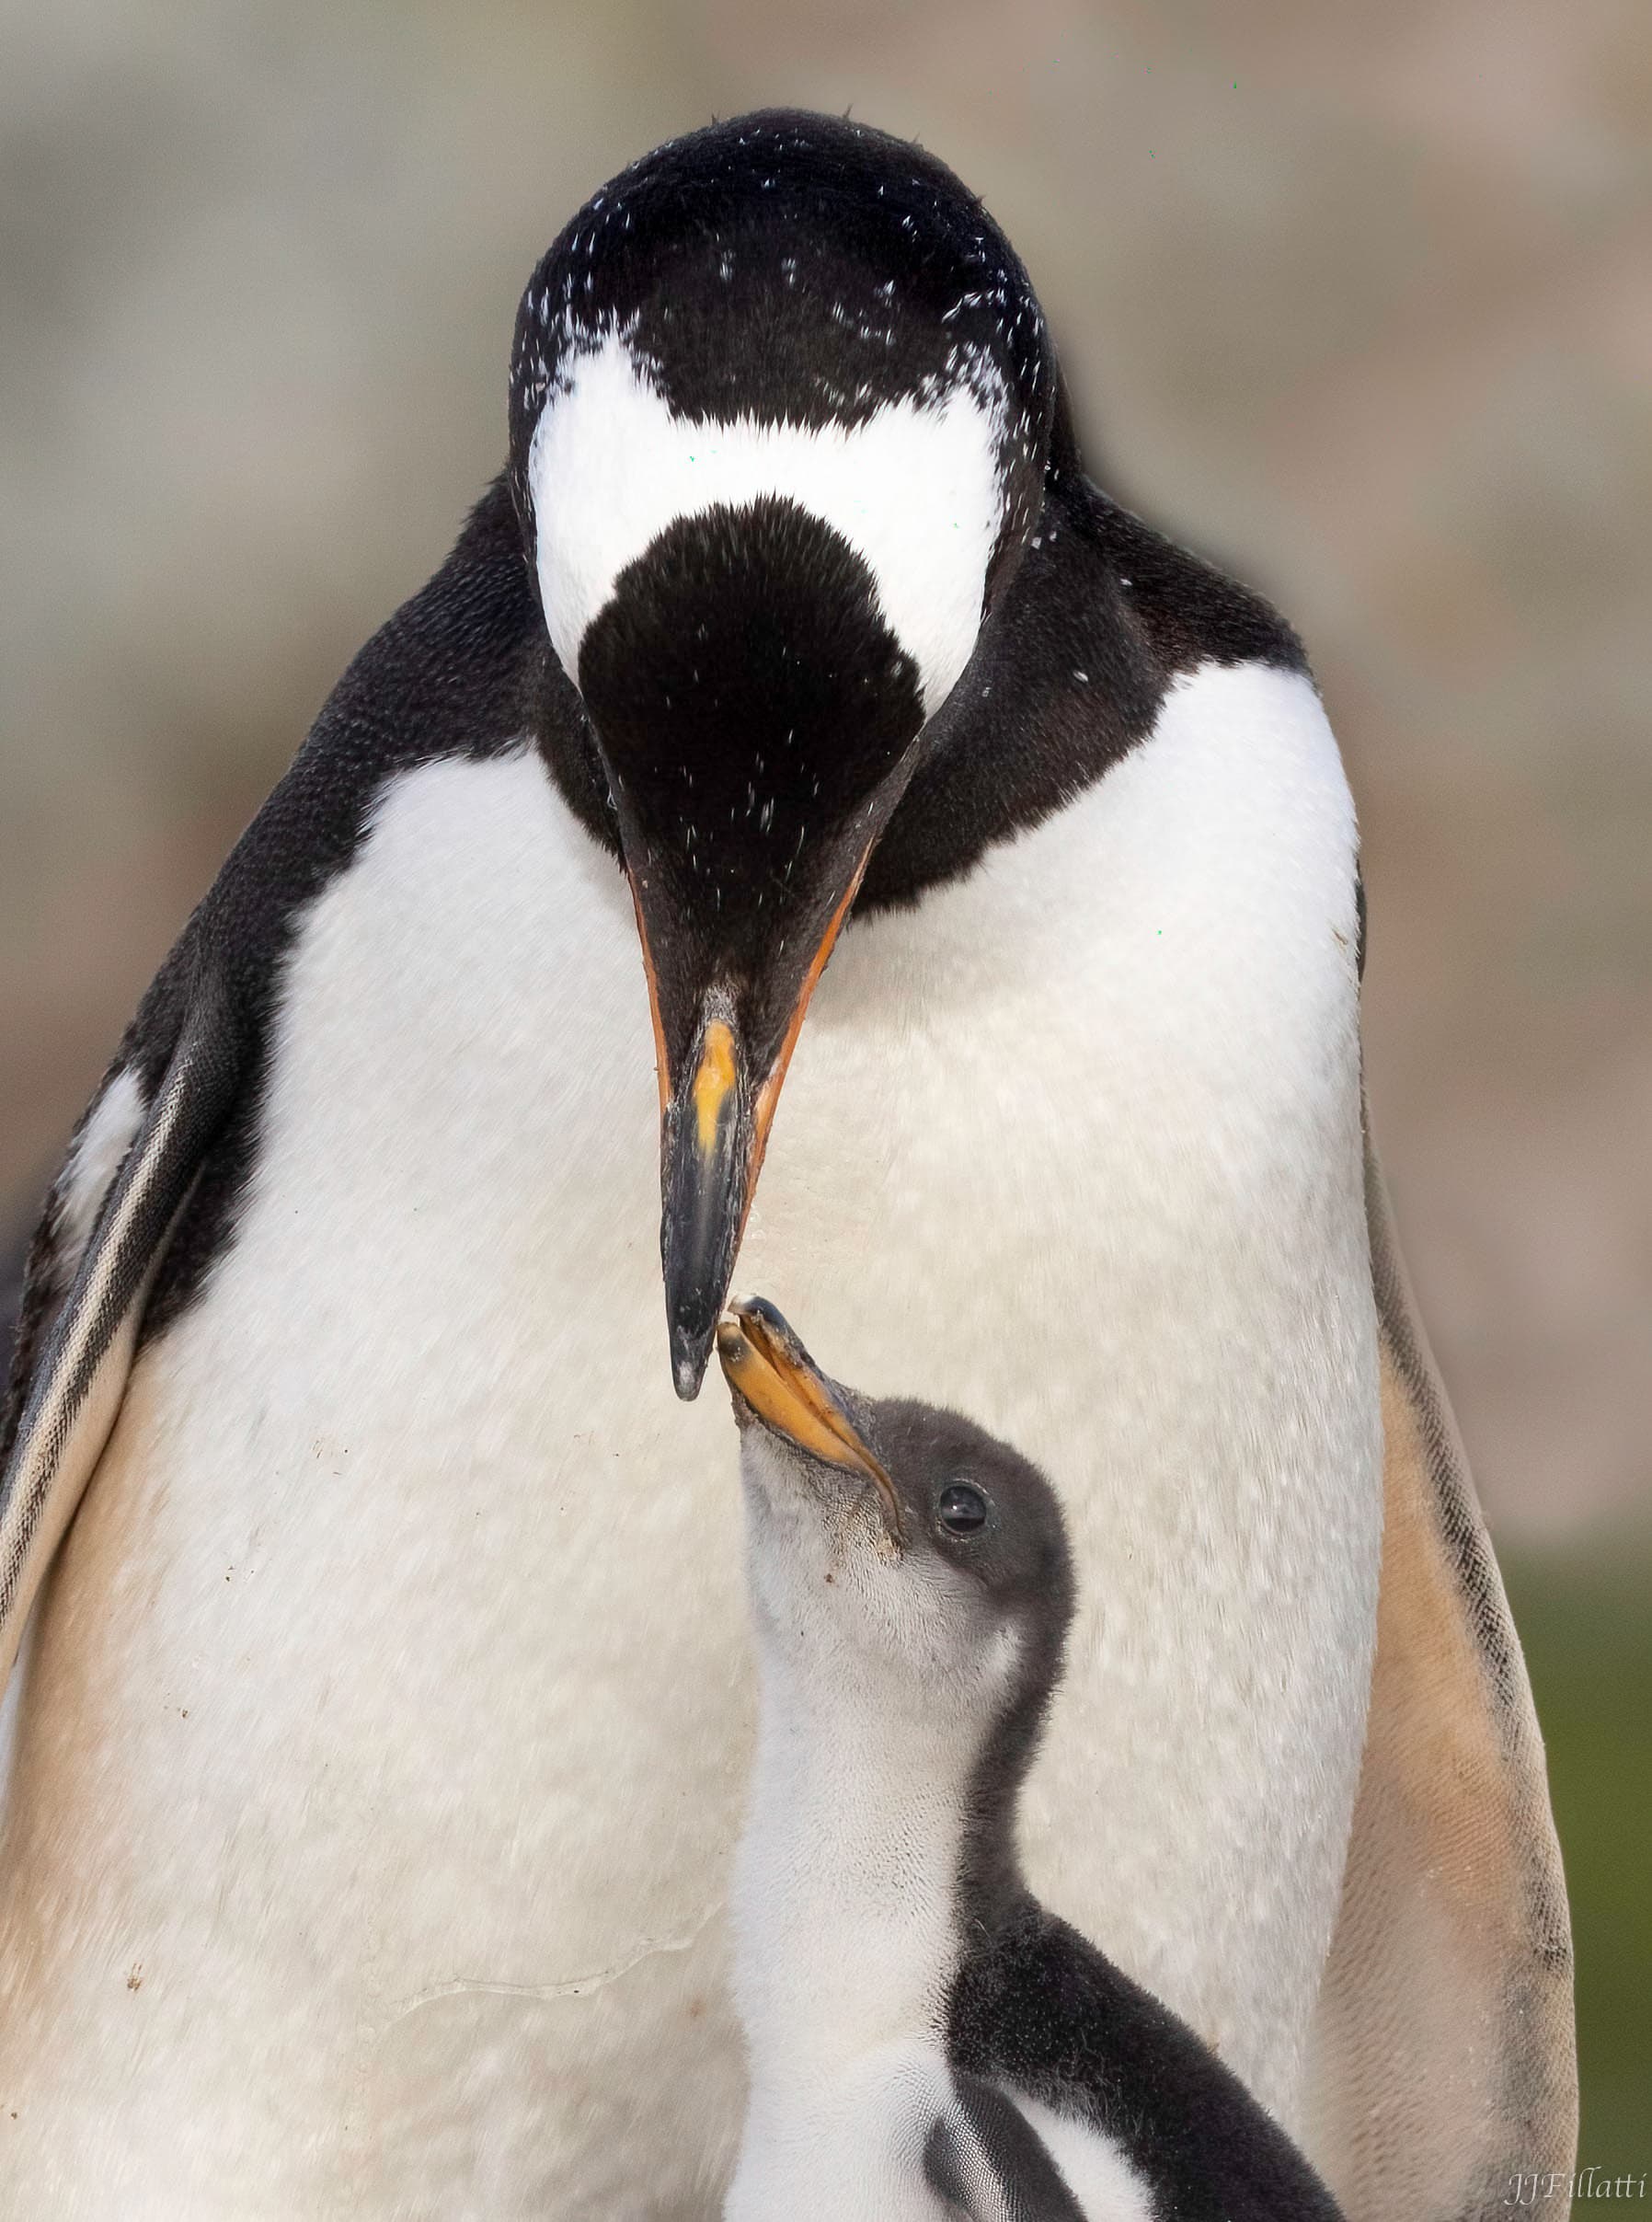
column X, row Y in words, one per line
column 457, row 1612
column 915, row 491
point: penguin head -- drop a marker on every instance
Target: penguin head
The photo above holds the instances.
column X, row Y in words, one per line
column 893, row 1545
column 780, row 407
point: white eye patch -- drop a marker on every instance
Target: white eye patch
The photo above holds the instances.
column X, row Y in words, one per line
column 914, row 490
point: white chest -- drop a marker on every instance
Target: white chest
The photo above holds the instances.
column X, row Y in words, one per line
column 393, row 1705
column 856, row 2155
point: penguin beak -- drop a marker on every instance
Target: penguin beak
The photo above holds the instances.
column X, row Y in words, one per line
column 711, row 1149
column 758, row 722
column 716, row 1110
column 769, row 1371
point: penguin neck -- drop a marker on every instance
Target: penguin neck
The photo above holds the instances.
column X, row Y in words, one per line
column 846, row 1903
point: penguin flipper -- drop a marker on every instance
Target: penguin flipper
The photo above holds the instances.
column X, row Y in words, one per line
column 1446, row 2060
column 986, row 2159
column 73, row 1358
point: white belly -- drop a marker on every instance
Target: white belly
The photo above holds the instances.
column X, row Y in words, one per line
column 386, row 1728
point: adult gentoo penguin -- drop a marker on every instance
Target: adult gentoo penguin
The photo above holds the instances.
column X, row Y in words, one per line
column 926, row 2038
column 379, row 1751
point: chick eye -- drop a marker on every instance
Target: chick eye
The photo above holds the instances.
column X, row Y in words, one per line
column 961, row 1511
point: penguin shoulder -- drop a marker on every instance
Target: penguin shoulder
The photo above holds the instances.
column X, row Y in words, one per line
column 1123, row 2095
column 1103, row 620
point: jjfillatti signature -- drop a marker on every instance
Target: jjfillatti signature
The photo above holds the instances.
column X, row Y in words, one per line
column 1534, row 2190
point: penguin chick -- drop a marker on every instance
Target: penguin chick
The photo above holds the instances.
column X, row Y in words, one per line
column 924, row 2038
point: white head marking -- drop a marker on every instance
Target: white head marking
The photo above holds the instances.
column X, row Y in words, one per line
column 915, row 491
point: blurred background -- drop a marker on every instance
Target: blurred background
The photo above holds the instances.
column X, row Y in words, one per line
column 1357, row 298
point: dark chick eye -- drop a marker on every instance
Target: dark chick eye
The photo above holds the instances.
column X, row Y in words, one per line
column 961, row 1511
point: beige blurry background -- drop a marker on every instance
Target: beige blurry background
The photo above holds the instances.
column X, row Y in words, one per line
column 1357, row 297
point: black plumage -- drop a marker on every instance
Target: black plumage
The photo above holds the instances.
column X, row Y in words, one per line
column 1036, row 2006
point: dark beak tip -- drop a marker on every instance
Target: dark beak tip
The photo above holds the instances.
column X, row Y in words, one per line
column 759, row 1307
column 690, row 1356
column 698, row 1241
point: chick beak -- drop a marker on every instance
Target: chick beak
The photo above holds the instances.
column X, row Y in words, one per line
column 769, row 1372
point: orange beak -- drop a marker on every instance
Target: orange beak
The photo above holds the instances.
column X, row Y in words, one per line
column 768, row 1369
column 714, row 1119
